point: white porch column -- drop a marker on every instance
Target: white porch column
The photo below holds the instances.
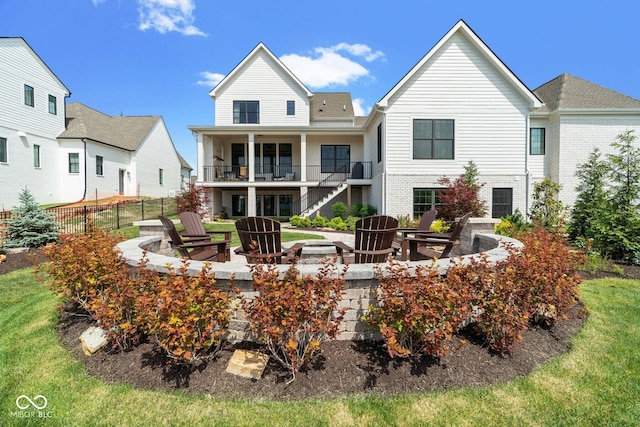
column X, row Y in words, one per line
column 200, row 159
column 251, row 201
column 303, row 156
column 252, row 161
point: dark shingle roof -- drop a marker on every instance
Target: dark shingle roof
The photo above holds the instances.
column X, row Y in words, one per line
column 126, row 132
column 570, row 92
column 331, row 105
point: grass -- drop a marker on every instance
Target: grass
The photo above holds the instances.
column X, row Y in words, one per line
column 597, row 383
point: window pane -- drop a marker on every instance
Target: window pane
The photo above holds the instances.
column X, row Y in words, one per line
column 443, row 129
column 422, row 129
column 286, row 201
column 443, row 149
column 422, row 149
column 161, row 176
column 291, row 108
column 3, row 150
column 99, row 162
column 238, row 202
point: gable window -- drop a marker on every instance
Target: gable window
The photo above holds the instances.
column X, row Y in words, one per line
column 537, row 136
column 28, row 95
column 99, row 165
column 53, row 105
column 74, row 163
column 161, row 176
column 432, row 139
column 36, row 156
column 501, row 202
column 379, row 142
column 425, row 199
column 291, row 108
column 246, row 111
column 3, row 150
column 335, row 158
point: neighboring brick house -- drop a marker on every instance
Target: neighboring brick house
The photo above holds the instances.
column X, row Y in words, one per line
column 277, row 147
column 65, row 153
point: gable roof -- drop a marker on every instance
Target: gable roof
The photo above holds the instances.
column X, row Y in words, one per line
column 125, row 132
column 22, row 41
column 569, row 92
column 255, row 52
column 463, row 28
column 183, row 163
column 331, row 106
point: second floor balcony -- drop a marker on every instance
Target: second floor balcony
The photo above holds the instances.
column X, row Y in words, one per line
column 286, row 173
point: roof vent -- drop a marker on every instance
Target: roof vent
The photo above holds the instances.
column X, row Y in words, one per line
column 324, row 102
column 344, row 108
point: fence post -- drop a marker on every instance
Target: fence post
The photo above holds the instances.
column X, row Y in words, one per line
column 85, row 215
column 162, row 206
column 142, row 209
column 117, row 215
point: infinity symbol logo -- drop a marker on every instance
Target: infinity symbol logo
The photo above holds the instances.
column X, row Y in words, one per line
column 39, row 398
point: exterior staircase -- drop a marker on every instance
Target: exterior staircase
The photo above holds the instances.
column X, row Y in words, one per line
column 326, row 199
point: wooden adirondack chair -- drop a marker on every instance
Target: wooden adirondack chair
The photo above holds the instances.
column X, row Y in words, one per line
column 261, row 241
column 194, row 230
column 197, row 250
column 401, row 244
column 421, row 248
column 373, row 240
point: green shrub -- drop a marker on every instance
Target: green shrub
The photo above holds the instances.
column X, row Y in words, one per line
column 319, row 221
column 337, row 224
column 339, row 209
column 439, row 226
column 356, row 208
column 367, row 210
column 298, row 221
column 350, row 223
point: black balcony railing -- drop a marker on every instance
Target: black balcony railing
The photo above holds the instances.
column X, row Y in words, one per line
column 275, row 173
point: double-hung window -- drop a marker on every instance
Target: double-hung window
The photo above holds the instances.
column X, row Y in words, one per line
column 335, row 158
column 537, row 136
column 53, row 105
column 291, row 108
column 246, row 112
column 501, row 202
column 74, row 163
column 433, row 139
column 28, row 95
column 161, row 176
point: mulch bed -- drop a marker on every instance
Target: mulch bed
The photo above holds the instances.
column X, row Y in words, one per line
column 343, row 368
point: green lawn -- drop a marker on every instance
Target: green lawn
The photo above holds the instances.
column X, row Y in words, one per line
column 597, row 383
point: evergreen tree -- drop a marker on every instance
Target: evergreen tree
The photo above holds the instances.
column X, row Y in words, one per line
column 547, row 211
column 29, row 225
column 591, row 198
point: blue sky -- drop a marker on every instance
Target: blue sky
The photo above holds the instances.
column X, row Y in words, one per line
column 162, row 57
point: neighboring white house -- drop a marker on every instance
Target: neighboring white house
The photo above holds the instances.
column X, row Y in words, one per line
column 277, row 147
column 111, row 155
column 66, row 153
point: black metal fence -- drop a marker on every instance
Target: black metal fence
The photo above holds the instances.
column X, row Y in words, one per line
column 108, row 216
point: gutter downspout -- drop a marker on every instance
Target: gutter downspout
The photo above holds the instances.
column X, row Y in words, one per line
column 527, row 176
column 384, row 158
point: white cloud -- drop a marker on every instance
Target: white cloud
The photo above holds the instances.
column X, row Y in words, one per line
column 328, row 67
column 210, row 79
column 167, row 16
column 97, row 3
column 359, row 50
column 358, row 108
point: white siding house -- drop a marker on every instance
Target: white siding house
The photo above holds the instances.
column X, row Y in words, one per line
column 459, row 103
column 32, row 103
column 67, row 153
column 118, row 155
